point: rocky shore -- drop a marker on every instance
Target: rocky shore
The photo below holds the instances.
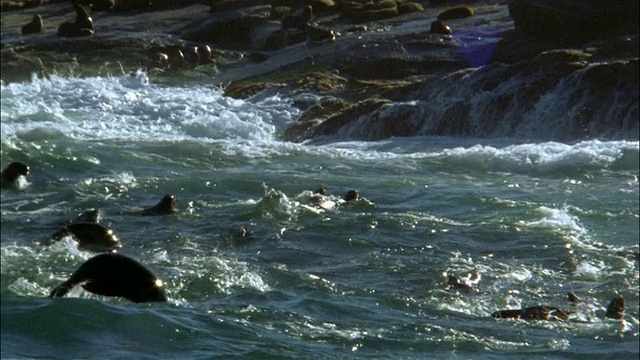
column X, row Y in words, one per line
column 528, row 69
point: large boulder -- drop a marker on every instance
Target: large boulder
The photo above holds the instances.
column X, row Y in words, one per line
column 575, row 21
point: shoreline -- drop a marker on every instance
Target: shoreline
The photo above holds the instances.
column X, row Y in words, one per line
column 367, row 66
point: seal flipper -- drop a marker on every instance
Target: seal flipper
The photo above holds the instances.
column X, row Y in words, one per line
column 62, row 289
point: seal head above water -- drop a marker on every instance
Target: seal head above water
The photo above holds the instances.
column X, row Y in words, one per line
column 83, row 26
column 35, row 26
column 167, row 205
column 90, row 236
column 13, row 171
column 533, row 313
column 115, row 275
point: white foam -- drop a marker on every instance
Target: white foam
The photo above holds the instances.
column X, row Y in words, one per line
column 557, row 219
column 131, row 108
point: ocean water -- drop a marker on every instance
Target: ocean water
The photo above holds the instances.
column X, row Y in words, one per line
column 254, row 269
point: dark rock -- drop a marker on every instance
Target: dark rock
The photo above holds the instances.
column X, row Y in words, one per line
column 574, row 22
column 457, row 12
column 438, row 27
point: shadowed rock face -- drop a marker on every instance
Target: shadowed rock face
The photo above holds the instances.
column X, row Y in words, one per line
column 570, row 21
column 433, row 85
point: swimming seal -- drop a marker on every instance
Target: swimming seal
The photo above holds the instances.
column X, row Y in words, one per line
column 351, row 195
column 83, row 26
column 13, row 171
column 115, row 275
column 166, row 206
column 533, row 313
column 89, row 216
column 454, row 282
column 35, row 26
column 90, row 236
column 615, row 309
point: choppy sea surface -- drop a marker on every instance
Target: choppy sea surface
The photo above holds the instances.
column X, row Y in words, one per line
column 254, row 269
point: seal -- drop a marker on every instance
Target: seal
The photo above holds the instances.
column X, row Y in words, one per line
column 88, row 216
column 166, row 206
column 615, row 309
column 318, row 34
column 115, row 275
column 298, row 21
column 454, row 282
column 439, row 27
column 35, row 26
column 83, row 26
column 90, row 236
column 533, row 313
column 351, row 195
column 13, row 171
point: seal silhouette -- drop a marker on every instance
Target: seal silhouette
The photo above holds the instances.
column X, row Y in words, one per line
column 533, row 313
column 89, row 216
column 115, row 275
column 13, row 171
column 167, row 205
column 35, row 26
column 90, row 236
column 83, row 26
column 615, row 310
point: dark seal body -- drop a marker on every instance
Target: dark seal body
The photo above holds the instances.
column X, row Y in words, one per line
column 166, row 206
column 115, row 275
column 298, row 21
column 13, row 171
column 615, row 309
column 90, row 236
column 35, row 26
column 533, row 313
column 83, row 26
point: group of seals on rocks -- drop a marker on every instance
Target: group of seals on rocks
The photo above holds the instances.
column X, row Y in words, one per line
column 82, row 26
